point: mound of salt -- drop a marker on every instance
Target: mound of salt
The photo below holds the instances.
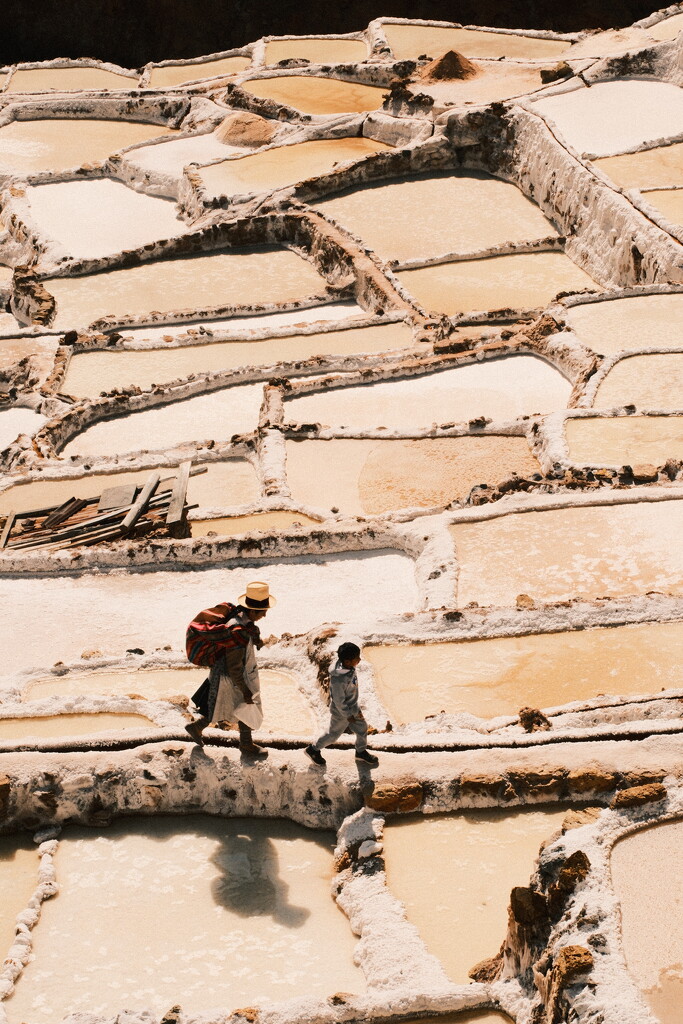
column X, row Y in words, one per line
column 449, row 67
column 245, row 129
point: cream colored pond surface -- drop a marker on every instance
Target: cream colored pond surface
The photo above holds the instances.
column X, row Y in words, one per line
column 216, row 416
column 436, row 214
column 625, row 440
column 661, row 166
column 589, row 552
column 668, row 202
column 176, row 74
column 647, row 879
column 408, row 42
column 649, row 382
column 211, row 913
column 317, row 51
column 67, row 79
column 19, row 864
column 232, row 482
column 41, row 351
column 52, row 726
column 666, row 29
column 170, row 157
column 259, row 522
column 520, row 281
column 495, row 677
column 89, row 373
column 18, row 421
column 363, row 477
column 629, row 325
column 67, row 210
column 613, row 116
column 500, row 388
column 314, row 95
column 239, row 277
column 458, row 900
column 284, row 165
column 494, row 81
column 28, row 147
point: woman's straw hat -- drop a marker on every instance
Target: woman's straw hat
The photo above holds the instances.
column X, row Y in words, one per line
column 257, row 597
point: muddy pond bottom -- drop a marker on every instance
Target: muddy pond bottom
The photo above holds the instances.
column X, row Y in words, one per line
column 53, row 726
column 653, row 381
column 629, row 325
column 316, row 95
column 625, row 440
column 19, row 863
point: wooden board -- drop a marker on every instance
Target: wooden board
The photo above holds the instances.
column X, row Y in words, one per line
column 117, row 497
column 175, row 509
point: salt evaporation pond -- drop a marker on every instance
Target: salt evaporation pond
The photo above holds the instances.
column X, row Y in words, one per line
column 246, row 909
column 660, row 166
column 18, row 421
column 170, row 157
column 66, row 211
column 625, row 440
column 647, row 879
column 58, row 144
column 258, row 275
column 629, row 325
column 258, row 522
column 436, row 214
column 317, row 50
column 613, row 116
column 67, row 80
column 667, row 29
column 117, row 611
column 500, row 388
column 468, row 863
column 408, row 42
column 315, row 95
column 520, row 281
column 284, row 165
column 177, row 74
column 19, row 864
column 362, row 477
column 90, row 373
column 65, row 725
column 498, row 676
column 581, row 553
column 216, row 416
column 40, row 349
column 468, row 1017
column 649, row 382
column 668, row 202
column 493, row 81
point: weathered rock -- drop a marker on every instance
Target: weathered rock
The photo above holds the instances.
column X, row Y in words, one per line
column 577, row 818
column 488, row 970
column 561, row 70
column 573, row 871
column 525, row 602
column 548, row 783
column 401, row 798
column 171, row 1016
column 644, row 473
column 570, row 963
column 528, row 907
column 533, row 719
column 493, row 786
column 636, row 796
column 591, row 780
column 449, row 67
column 246, row 129
column 5, row 790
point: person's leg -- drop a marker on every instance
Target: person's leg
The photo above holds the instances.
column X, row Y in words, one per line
column 247, row 745
column 337, row 725
column 360, row 729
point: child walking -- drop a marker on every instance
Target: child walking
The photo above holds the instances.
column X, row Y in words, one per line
column 344, row 709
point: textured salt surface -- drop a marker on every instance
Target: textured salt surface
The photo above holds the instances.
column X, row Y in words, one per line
column 503, row 388
column 70, row 725
column 602, row 44
column 246, row 909
column 662, row 166
column 18, row 421
column 667, row 29
column 261, row 522
column 66, row 79
column 411, row 41
column 493, row 82
column 170, row 157
column 369, row 477
column 40, row 350
column 627, row 325
column 584, row 553
column 176, row 74
column 468, row 863
column 669, row 202
column 499, row 676
column 471, row 1017
column 19, row 864
column 317, row 51
column 317, row 95
column 648, row 382
column 436, row 214
column 625, row 440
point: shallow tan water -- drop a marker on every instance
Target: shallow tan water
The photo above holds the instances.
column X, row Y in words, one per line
column 70, row 725
column 362, row 477
column 18, row 421
column 89, row 373
column 409, row 42
column 436, row 214
column 667, row 29
column 176, row 74
column 468, row 864
column 284, row 165
column 627, row 325
column 661, row 166
column 625, row 440
column 520, row 281
column 669, row 202
column 493, row 82
column 19, row 863
column 314, row 95
column 28, row 147
column 583, row 553
column 239, row 277
column 649, row 382
column 499, row 676
column 317, row 51
column 258, row 522
column 67, row 79
column 227, row 483
column 172, row 156
column 646, row 874
column 246, row 910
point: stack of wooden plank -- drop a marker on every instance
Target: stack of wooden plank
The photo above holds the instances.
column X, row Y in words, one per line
column 117, row 513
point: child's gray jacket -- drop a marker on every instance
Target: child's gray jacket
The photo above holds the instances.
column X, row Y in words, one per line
column 344, row 690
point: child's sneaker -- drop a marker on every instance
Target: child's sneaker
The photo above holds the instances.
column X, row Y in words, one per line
column 315, row 755
column 367, row 758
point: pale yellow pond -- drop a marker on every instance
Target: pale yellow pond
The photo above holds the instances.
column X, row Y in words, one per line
column 284, row 165
column 176, row 74
column 436, row 214
column 627, row 325
column 258, row 522
column 314, row 95
column 363, row 477
column 520, row 281
column 666, row 29
column 468, row 863
column 68, row 79
column 89, row 373
column 211, row 913
column 661, row 166
column 494, row 81
column 408, row 42
column 59, row 726
column 649, row 382
column 589, row 552
column 19, row 863
column 317, row 51
column 625, row 440
column 239, row 277
column 669, row 202
column 647, row 879
column 494, row 677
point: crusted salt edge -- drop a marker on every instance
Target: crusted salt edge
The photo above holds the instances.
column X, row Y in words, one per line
column 588, row 398
column 553, row 447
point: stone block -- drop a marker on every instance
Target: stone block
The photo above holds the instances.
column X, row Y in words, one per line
column 636, row 796
column 400, row 798
column 591, row 780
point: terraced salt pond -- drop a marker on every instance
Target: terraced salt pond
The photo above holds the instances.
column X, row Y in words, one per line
column 364, row 477
column 90, row 373
column 498, row 676
column 246, row 904
column 39, row 350
column 668, row 202
column 468, row 864
column 648, row 382
column 19, row 864
column 629, row 325
column 625, row 440
column 647, row 882
column 658, row 167
column 520, row 281
column 61, row 726
column 257, row 275
column 316, row 95
column 67, row 79
column 169, row 158
column 581, row 552
column 178, row 74
column 18, row 421
column 502, row 389
column 408, row 42
column 433, row 215
column 493, row 81
column 319, row 50
column 258, row 522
